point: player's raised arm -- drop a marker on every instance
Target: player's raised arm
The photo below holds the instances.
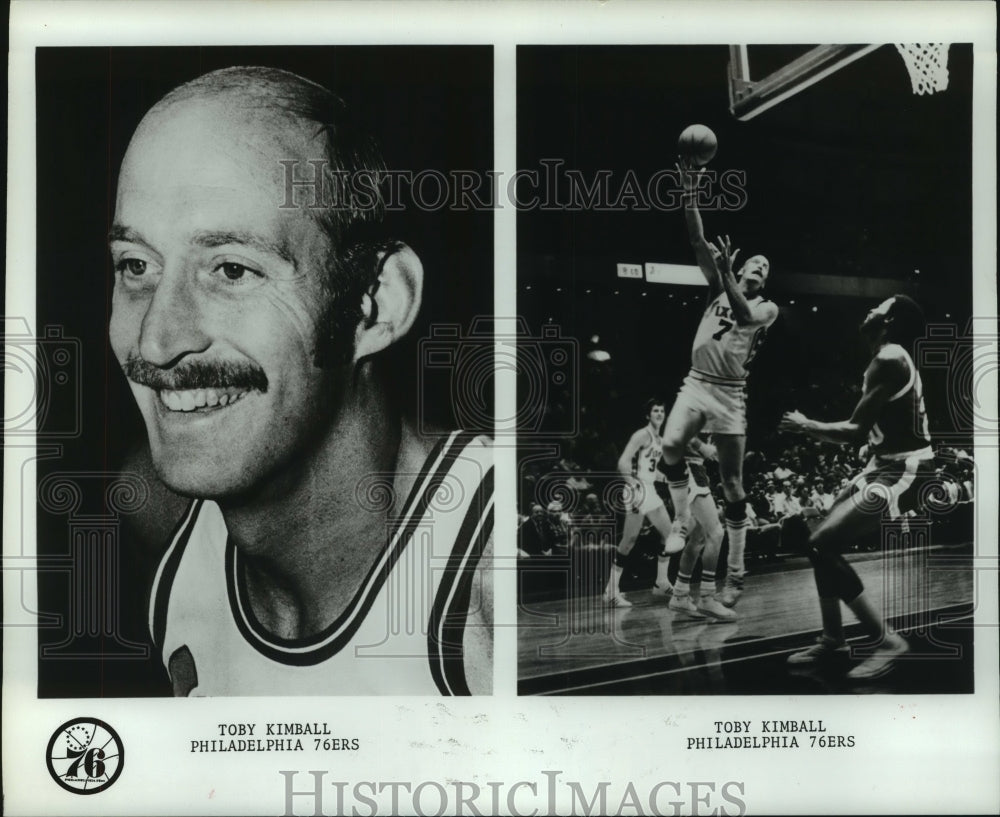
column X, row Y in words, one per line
column 703, row 254
column 886, row 375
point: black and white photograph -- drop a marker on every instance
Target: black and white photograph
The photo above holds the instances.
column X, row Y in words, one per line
column 244, row 267
column 762, row 479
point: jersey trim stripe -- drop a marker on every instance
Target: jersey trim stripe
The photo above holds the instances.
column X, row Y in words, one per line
column 910, row 381
column 446, row 627
column 717, row 380
column 323, row 645
column 167, row 571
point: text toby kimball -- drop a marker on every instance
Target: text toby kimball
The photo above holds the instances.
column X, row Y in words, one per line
column 310, row 792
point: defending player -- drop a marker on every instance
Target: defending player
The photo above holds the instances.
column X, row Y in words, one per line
column 891, row 414
column 713, row 396
column 638, row 463
column 704, row 542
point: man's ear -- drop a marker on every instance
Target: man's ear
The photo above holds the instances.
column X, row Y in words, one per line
column 390, row 307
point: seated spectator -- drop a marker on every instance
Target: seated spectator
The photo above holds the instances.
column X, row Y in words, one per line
column 783, row 472
column 760, row 504
column 532, row 534
column 781, row 500
column 556, row 530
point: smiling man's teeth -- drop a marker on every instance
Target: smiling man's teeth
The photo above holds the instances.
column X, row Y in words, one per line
column 194, row 399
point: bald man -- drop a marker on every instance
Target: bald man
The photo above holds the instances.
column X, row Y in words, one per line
column 328, row 548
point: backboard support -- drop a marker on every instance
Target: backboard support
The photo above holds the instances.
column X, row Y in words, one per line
column 750, row 97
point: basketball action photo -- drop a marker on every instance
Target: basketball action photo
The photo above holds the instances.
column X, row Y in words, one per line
column 758, row 475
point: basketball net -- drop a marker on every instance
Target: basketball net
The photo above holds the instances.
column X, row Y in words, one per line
column 927, row 64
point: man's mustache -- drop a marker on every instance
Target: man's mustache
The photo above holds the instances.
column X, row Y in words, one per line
column 195, row 375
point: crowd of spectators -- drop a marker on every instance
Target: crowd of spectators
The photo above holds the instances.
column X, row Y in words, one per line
column 787, row 475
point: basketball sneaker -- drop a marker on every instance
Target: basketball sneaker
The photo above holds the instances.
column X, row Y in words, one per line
column 616, row 600
column 824, row 650
column 880, row 663
column 664, row 589
column 710, row 606
column 731, row 590
column 683, row 603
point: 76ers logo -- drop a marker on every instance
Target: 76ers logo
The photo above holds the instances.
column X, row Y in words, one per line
column 85, row 756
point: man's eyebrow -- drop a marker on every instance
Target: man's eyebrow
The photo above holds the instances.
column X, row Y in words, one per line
column 119, row 232
column 221, row 238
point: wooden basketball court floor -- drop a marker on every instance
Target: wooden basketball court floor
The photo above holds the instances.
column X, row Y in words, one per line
column 580, row 646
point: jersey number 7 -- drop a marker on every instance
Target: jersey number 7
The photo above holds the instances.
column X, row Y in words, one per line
column 725, row 326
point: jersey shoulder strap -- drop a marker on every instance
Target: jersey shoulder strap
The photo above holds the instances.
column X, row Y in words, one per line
column 451, row 611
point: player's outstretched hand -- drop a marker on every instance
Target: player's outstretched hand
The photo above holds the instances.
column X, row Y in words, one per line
column 793, row 421
column 690, row 174
column 726, row 253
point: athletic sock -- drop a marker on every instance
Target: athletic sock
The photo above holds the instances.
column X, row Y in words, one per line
column 617, row 566
column 736, row 525
column 833, row 623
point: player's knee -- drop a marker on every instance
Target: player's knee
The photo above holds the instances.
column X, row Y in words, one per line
column 732, row 488
column 824, row 542
column 629, row 539
column 736, row 510
column 675, row 471
column 713, row 537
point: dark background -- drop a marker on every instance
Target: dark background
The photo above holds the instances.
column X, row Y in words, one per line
column 429, row 107
column 854, row 176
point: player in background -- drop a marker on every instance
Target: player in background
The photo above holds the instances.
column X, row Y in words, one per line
column 891, row 415
column 704, row 542
column 713, row 396
column 638, row 464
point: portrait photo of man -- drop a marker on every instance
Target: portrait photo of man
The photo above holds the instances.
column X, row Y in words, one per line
column 312, row 518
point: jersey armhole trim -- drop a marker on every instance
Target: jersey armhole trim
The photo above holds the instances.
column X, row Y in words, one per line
column 159, row 597
column 910, row 380
column 446, row 627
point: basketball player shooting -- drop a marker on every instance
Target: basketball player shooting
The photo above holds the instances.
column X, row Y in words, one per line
column 891, row 415
column 713, row 395
column 638, row 464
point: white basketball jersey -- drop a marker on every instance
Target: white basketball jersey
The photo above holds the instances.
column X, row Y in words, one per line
column 722, row 348
column 401, row 634
column 647, row 457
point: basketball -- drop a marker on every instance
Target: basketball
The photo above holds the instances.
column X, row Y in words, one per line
column 698, row 144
